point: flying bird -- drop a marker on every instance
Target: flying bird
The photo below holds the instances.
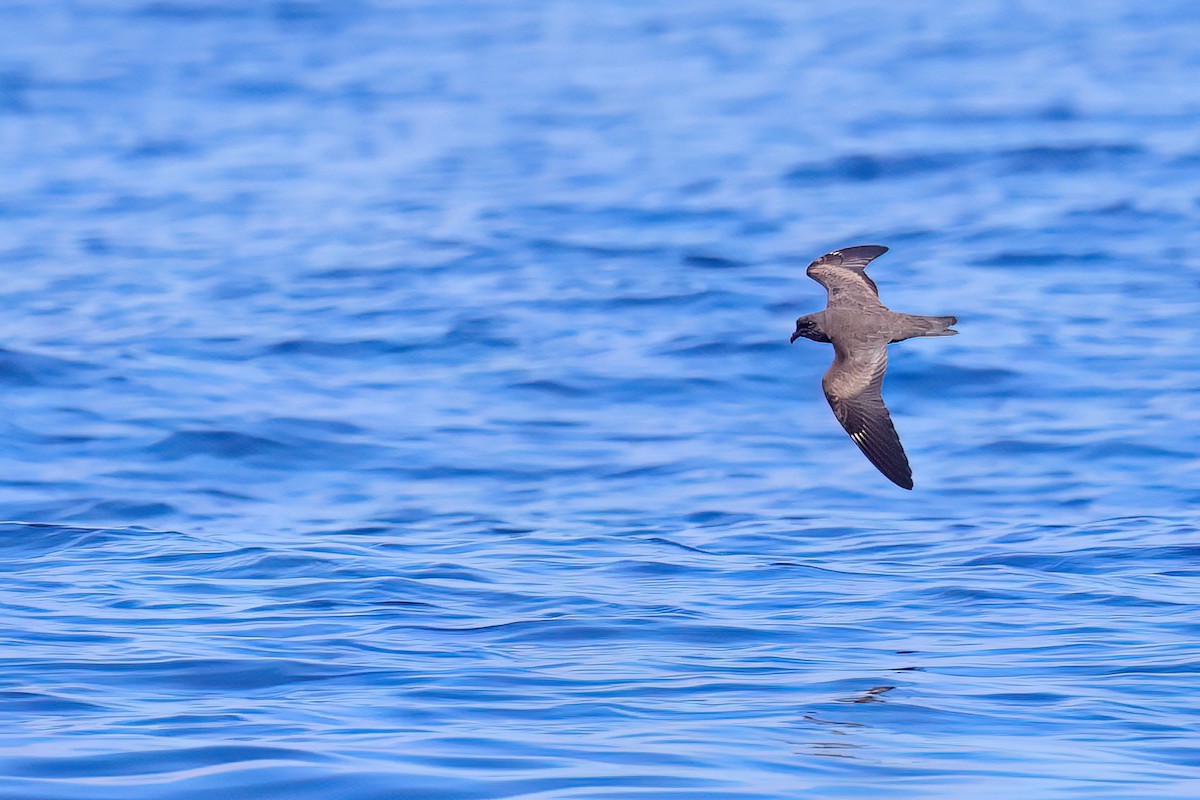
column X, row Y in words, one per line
column 860, row 328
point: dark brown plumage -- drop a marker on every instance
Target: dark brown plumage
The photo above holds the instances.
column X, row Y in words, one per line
column 860, row 328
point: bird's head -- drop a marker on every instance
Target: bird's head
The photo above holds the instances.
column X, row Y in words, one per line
column 809, row 329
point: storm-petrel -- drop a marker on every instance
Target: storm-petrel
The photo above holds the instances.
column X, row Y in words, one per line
column 860, row 328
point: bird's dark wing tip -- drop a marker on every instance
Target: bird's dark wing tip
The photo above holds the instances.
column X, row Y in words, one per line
column 898, row 473
column 866, row 252
column 856, row 257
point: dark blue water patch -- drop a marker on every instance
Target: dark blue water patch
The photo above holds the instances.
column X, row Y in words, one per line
column 869, row 167
column 45, row 442
column 466, row 336
column 1135, row 451
column 219, row 444
column 21, row 368
column 1129, row 209
column 22, row 703
column 1070, row 157
column 697, row 301
column 14, row 88
column 552, row 387
column 1044, row 259
column 310, row 347
column 163, row 148
column 1124, row 600
column 865, row 167
column 312, row 427
column 629, row 389
column 311, row 17
column 655, row 470
column 637, row 216
column 262, row 90
column 711, row 261
column 24, row 540
column 255, row 674
column 1188, row 667
column 101, row 509
column 281, row 453
column 613, row 249
column 941, row 378
column 194, row 11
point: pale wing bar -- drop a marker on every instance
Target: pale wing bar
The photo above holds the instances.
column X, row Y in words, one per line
column 845, row 270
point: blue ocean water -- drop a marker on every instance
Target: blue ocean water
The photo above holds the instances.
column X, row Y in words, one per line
column 397, row 400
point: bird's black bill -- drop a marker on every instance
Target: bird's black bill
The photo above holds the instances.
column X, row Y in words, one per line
column 795, row 336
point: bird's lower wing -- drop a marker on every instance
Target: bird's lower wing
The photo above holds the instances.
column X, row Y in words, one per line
column 854, row 388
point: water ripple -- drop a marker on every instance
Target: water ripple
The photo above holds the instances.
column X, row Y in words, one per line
column 398, row 401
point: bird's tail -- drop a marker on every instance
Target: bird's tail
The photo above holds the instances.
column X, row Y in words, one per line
column 915, row 325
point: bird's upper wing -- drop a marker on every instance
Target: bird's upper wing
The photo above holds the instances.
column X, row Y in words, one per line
column 854, row 388
column 843, row 273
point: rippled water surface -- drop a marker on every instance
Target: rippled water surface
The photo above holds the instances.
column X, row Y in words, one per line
column 397, row 401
